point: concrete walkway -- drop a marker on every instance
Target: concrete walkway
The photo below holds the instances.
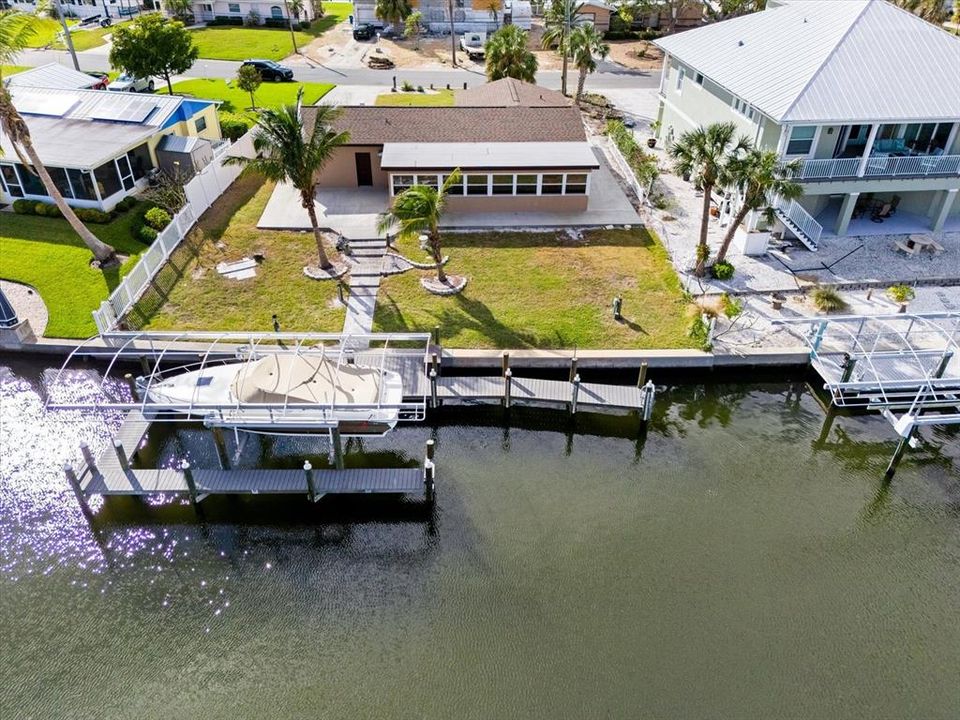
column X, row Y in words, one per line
column 366, row 259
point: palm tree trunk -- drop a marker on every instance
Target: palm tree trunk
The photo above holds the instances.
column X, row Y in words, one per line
column 580, row 83
column 437, row 253
column 322, row 260
column 704, row 224
column 453, row 35
column 728, row 238
column 104, row 254
column 563, row 76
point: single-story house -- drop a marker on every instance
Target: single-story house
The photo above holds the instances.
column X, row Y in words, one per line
column 237, row 12
column 53, row 75
column 98, row 146
column 597, row 13
column 518, row 146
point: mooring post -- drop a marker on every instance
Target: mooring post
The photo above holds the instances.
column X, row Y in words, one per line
column 436, row 335
column 144, row 365
column 649, row 392
column 132, row 384
column 77, row 490
column 435, row 362
column 311, row 490
column 575, row 393
column 505, row 363
column 431, row 448
column 944, row 361
column 429, row 472
column 337, row 447
column 849, row 363
column 642, row 377
column 507, row 387
column 433, row 388
column 898, row 455
column 88, row 458
column 220, row 443
column 121, row 455
column 827, row 424
column 573, row 368
column 191, row 484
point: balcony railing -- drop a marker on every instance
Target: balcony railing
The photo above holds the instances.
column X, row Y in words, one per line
column 879, row 166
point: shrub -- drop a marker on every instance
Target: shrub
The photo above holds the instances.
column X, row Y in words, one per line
column 827, row 300
column 24, row 207
column 92, row 215
column 732, row 306
column 128, row 202
column 304, row 24
column 232, row 126
column 147, row 234
column 901, row 293
column 252, row 19
column 699, row 331
column 276, row 23
column 419, row 88
column 722, row 270
column 407, row 86
column 40, row 208
column 157, row 218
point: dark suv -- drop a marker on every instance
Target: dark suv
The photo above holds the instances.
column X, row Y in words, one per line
column 269, row 70
column 364, row 32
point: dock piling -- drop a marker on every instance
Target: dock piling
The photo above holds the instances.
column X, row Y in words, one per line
column 132, row 384
column 573, row 368
column 642, row 377
column 433, row 388
column 77, row 490
column 436, row 335
column 505, row 363
column 575, row 393
column 649, row 392
column 897, row 456
column 429, row 473
column 145, row 365
column 88, row 458
column 337, row 447
column 942, row 366
column 221, row 445
column 431, row 448
column 308, row 472
column 507, row 386
column 121, row 455
column 435, row 362
column 191, row 484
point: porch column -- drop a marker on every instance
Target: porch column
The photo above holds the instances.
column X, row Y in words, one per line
column 940, row 215
column 846, row 212
column 867, row 149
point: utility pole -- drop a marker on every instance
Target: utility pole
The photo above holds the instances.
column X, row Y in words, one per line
column 564, row 42
column 453, row 35
column 293, row 37
column 66, row 34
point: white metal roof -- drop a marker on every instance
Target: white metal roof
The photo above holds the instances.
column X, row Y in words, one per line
column 412, row 156
column 53, row 75
column 816, row 61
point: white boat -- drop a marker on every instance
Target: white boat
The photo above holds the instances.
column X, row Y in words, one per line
column 283, row 392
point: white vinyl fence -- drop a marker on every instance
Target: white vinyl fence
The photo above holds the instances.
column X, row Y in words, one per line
column 201, row 192
column 622, row 167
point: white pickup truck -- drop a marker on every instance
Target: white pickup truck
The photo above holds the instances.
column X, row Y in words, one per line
column 472, row 43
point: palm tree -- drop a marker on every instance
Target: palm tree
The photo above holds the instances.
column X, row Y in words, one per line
column 704, row 153
column 286, row 154
column 508, row 56
column 417, row 210
column 934, row 11
column 759, row 175
column 16, row 30
column 392, row 11
column 557, row 22
column 586, row 47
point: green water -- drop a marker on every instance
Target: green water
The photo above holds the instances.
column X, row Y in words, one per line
column 723, row 567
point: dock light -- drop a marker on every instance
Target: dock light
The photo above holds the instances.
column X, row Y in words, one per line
column 617, row 307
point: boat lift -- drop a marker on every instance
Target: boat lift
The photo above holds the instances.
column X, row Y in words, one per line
column 163, row 354
column 905, row 366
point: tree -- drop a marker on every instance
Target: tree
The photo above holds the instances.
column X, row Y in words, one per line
column 726, row 9
column 759, row 175
column 294, row 8
column 412, row 28
column 180, row 9
column 491, row 6
column 557, row 21
column 152, row 45
column 392, row 11
column 16, row 30
column 417, row 210
column 934, row 11
column 586, row 47
column 508, row 56
column 704, row 153
column 286, row 153
column 248, row 80
column 674, row 9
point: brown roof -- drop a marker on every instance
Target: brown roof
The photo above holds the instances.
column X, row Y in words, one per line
column 372, row 125
column 510, row 93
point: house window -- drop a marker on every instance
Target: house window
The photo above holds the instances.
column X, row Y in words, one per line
column 10, row 180
column 82, row 184
column 125, row 172
column 698, row 79
column 59, row 177
column 30, row 182
column 201, row 124
column 276, row 12
column 207, row 7
column 680, row 76
column 503, row 184
column 456, row 188
column 140, row 161
column 477, row 184
column 233, row 7
column 801, row 139
column 402, row 182
column 428, row 180
column 576, row 184
column 526, row 184
column 108, row 181
column 552, row 185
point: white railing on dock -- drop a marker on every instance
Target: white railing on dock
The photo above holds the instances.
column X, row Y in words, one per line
column 879, row 166
column 201, row 192
column 802, row 221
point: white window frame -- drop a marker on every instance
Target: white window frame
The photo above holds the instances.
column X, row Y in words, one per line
column 813, row 141
column 231, row 6
column 680, row 77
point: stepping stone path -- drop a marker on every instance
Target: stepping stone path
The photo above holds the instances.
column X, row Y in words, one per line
column 366, row 260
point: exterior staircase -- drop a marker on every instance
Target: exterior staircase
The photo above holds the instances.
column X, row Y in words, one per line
column 799, row 222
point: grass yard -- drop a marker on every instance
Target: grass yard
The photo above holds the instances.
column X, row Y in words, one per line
column 88, row 39
column 236, row 100
column 416, row 99
column 46, row 31
column 544, row 290
column 201, row 299
column 7, row 70
column 47, row 254
column 221, row 42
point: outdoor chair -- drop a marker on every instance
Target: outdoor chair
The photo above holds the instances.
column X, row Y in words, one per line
column 894, row 202
column 906, row 248
column 881, row 213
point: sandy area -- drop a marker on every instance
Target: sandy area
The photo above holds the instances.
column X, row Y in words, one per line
column 635, row 54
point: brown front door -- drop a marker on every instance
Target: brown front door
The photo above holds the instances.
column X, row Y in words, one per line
column 364, row 171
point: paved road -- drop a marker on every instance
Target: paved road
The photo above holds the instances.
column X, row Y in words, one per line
column 610, row 76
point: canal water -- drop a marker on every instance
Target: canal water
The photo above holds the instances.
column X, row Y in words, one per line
column 726, row 565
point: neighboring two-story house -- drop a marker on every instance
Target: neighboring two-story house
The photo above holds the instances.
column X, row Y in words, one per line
column 865, row 95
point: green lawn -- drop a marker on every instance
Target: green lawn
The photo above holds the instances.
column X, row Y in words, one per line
column 46, row 31
column 236, row 100
column 201, row 299
column 416, row 99
column 7, row 70
column 544, row 290
column 221, row 42
column 87, row 39
column 47, row 254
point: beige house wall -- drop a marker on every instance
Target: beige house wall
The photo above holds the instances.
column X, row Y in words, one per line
column 600, row 17
column 188, row 128
column 341, row 170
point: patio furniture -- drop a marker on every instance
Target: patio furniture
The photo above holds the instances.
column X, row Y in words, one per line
column 905, row 247
column 881, row 213
column 894, row 203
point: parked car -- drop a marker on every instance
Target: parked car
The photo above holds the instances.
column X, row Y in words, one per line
column 103, row 80
column 474, row 45
column 129, row 83
column 269, row 70
column 364, row 32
